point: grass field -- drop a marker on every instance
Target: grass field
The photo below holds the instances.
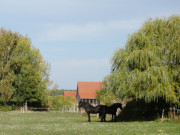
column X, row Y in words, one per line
column 57, row 123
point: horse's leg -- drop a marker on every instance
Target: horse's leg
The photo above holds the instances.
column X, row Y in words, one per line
column 89, row 119
column 115, row 117
column 112, row 117
column 101, row 116
column 104, row 117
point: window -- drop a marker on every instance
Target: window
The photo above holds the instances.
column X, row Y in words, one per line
column 91, row 101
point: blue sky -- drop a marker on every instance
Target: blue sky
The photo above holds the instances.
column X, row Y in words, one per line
column 78, row 37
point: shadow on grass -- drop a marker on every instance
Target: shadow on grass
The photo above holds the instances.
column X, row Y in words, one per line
column 139, row 110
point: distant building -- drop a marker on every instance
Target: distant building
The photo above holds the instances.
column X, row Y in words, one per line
column 70, row 94
column 86, row 91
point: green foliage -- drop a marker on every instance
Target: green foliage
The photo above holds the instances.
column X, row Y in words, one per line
column 59, row 101
column 8, row 42
column 23, row 72
column 54, row 91
column 106, row 94
column 59, row 92
column 149, row 65
column 5, row 108
column 106, row 97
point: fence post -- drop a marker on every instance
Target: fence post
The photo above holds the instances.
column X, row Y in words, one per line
column 81, row 111
column 74, row 109
column 25, row 106
column 77, row 110
column 162, row 114
column 22, row 109
column 62, row 109
column 174, row 113
column 65, row 109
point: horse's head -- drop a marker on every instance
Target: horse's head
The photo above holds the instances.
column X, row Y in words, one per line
column 119, row 105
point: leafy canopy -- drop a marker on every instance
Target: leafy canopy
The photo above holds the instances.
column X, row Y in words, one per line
column 24, row 74
column 149, row 65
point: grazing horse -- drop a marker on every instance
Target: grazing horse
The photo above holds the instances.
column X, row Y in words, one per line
column 110, row 110
column 91, row 109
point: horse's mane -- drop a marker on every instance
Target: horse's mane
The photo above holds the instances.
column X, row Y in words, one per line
column 118, row 105
column 86, row 104
column 113, row 107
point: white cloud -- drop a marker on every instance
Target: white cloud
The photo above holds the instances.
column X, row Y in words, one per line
column 69, row 32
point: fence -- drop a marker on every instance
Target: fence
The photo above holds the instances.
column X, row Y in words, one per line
column 72, row 108
column 173, row 112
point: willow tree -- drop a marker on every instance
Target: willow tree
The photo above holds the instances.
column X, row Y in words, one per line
column 149, row 65
column 23, row 71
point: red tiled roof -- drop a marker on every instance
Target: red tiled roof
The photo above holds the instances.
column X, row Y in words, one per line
column 88, row 89
column 70, row 94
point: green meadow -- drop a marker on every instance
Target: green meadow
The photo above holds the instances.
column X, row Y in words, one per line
column 57, row 123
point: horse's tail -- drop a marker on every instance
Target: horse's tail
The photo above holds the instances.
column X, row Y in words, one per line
column 102, row 110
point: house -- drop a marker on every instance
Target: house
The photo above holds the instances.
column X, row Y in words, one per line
column 70, row 94
column 86, row 91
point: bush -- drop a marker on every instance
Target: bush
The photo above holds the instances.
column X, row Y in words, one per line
column 5, row 108
column 59, row 101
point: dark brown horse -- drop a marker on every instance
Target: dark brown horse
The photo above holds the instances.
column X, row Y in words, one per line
column 110, row 110
column 92, row 109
